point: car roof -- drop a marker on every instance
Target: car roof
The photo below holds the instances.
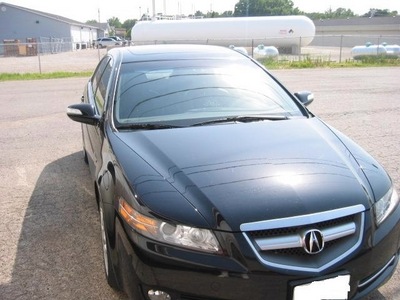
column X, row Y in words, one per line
column 173, row 52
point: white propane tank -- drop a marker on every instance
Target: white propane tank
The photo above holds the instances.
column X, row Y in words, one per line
column 393, row 50
column 367, row 50
column 280, row 31
column 264, row 51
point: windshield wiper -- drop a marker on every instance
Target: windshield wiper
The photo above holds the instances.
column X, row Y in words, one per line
column 145, row 126
column 243, row 119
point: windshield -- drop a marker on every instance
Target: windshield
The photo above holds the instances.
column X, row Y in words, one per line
column 186, row 92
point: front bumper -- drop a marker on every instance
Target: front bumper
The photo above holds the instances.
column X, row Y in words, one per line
column 187, row 275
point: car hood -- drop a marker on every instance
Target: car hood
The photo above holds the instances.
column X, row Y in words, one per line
column 246, row 172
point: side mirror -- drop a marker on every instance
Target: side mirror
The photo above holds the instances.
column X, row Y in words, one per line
column 305, row 97
column 83, row 113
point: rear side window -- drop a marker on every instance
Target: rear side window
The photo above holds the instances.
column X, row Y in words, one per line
column 100, row 82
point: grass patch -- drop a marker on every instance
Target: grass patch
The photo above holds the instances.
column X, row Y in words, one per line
column 37, row 76
column 305, row 62
column 308, row 62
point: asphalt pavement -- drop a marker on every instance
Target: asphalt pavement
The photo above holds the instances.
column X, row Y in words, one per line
column 49, row 228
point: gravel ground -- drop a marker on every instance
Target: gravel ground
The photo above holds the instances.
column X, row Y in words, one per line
column 76, row 61
column 49, row 229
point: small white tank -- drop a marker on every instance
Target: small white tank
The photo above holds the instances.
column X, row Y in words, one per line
column 269, row 51
column 368, row 50
column 393, row 50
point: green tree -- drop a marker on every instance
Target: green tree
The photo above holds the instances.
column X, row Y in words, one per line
column 199, row 14
column 128, row 24
column 265, row 8
column 375, row 12
column 340, row 13
column 91, row 22
column 316, row 15
column 114, row 22
column 227, row 14
column 212, row 14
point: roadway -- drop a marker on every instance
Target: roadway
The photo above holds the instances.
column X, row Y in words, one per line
column 49, row 228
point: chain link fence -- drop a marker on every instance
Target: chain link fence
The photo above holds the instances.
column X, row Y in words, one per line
column 340, row 48
column 54, row 45
column 35, row 46
column 43, row 55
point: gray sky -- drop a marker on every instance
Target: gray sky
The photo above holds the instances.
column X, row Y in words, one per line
column 84, row 10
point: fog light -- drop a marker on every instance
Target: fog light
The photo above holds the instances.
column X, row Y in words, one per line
column 158, row 295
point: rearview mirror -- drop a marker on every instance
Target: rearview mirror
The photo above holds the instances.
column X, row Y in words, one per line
column 305, row 97
column 83, row 113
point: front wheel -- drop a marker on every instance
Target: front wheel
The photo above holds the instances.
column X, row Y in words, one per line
column 85, row 156
column 108, row 267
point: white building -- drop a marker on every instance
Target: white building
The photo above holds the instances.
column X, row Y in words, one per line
column 61, row 34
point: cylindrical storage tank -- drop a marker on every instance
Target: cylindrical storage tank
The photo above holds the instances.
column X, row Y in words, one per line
column 359, row 51
column 269, row 51
column 281, row 31
column 393, row 49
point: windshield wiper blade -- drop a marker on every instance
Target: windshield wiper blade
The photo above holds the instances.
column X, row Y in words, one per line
column 244, row 119
column 145, row 126
column 252, row 118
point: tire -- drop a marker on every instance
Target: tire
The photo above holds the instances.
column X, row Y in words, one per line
column 108, row 265
column 128, row 278
column 85, row 157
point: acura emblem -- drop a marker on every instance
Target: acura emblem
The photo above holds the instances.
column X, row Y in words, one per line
column 313, row 241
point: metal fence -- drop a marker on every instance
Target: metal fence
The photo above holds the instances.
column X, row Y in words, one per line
column 35, row 46
column 339, row 47
column 62, row 54
column 55, row 45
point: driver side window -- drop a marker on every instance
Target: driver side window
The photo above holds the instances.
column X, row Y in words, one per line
column 100, row 81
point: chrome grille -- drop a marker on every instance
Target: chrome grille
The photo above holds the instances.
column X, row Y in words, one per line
column 295, row 229
column 279, row 243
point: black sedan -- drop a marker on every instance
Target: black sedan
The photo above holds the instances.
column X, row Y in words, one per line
column 215, row 182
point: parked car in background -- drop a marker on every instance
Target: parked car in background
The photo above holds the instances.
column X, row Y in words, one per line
column 107, row 41
column 118, row 39
column 213, row 181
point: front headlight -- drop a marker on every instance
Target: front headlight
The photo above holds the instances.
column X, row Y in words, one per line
column 386, row 205
column 179, row 235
